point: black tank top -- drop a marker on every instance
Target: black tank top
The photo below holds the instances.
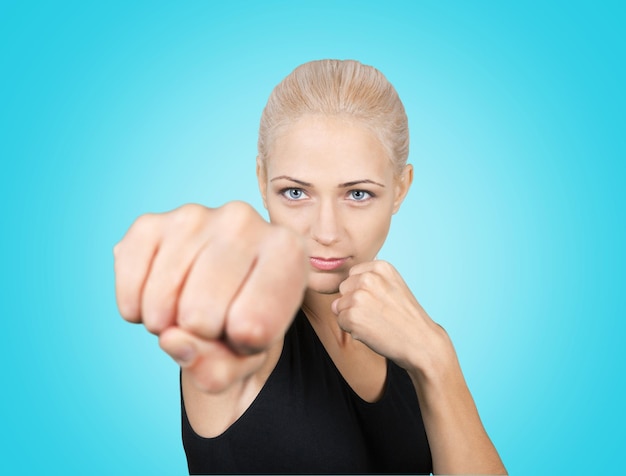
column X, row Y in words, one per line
column 307, row 419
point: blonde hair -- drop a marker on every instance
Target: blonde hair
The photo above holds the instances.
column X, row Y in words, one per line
column 338, row 88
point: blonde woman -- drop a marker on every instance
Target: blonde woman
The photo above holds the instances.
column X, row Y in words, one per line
column 299, row 351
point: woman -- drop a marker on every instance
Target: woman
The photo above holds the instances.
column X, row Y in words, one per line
column 361, row 380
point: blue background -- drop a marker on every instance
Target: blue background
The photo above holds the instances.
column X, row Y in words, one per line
column 512, row 236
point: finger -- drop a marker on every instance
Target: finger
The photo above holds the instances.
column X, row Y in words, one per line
column 213, row 281
column 350, row 284
column 346, row 289
column 341, row 305
column 368, row 280
column 169, row 270
column 212, row 365
column 220, row 269
column 354, row 313
column 344, row 303
column 346, row 307
column 362, row 268
column 378, row 266
column 345, row 315
column 133, row 258
column 270, row 297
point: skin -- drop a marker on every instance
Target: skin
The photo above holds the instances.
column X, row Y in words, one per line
column 330, row 191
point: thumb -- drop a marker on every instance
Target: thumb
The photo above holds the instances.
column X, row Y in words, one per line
column 335, row 306
column 179, row 345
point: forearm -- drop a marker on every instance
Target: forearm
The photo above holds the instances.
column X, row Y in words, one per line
column 458, row 441
column 378, row 307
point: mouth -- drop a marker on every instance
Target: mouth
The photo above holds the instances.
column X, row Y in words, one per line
column 326, row 264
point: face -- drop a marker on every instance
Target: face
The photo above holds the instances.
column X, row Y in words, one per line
column 331, row 181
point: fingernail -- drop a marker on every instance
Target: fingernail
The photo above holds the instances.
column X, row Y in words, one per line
column 185, row 354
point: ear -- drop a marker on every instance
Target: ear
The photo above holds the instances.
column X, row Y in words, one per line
column 261, row 176
column 402, row 185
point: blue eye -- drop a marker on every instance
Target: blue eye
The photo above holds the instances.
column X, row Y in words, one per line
column 359, row 195
column 293, row 193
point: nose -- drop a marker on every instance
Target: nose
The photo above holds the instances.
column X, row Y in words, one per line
column 326, row 226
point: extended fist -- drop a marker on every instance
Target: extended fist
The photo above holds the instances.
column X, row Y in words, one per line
column 220, row 281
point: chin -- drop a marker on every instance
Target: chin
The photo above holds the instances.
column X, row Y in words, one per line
column 328, row 291
column 325, row 283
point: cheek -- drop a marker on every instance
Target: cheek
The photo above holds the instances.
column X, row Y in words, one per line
column 371, row 232
column 380, row 235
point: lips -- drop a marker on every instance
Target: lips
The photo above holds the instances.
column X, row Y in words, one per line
column 326, row 264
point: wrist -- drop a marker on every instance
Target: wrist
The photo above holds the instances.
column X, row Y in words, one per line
column 435, row 369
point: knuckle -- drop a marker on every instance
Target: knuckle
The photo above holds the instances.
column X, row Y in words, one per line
column 127, row 295
column 129, row 311
column 249, row 334
column 188, row 217
column 143, row 230
column 120, row 254
column 157, row 312
column 360, row 297
column 237, row 212
column 346, row 321
column 202, row 323
column 127, row 303
column 383, row 267
column 236, row 221
column 367, row 280
column 146, row 225
column 343, row 286
column 152, row 326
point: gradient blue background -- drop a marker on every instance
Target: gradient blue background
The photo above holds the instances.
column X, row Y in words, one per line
column 512, row 236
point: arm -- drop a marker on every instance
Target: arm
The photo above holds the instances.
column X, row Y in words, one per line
column 458, row 440
column 219, row 287
column 378, row 309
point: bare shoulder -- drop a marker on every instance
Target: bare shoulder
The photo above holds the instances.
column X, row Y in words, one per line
column 209, row 414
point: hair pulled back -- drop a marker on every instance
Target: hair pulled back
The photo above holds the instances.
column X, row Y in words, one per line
column 346, row 89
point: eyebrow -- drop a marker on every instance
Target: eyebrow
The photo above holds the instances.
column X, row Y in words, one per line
column 357, row 182
column 341, row 185
column 299, row 182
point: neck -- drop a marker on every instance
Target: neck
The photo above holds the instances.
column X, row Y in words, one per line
column 317, row 308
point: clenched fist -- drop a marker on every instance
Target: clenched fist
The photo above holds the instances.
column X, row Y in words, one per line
column 218, row 286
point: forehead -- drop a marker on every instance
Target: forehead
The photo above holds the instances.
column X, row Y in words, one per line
column 328, row 147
